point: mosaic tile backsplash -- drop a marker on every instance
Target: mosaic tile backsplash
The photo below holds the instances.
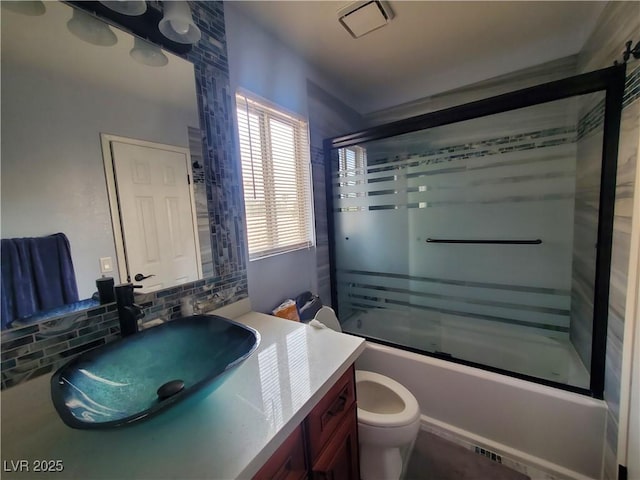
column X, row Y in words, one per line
column 34, row 350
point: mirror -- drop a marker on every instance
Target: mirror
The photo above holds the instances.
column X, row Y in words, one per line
column 60, row 97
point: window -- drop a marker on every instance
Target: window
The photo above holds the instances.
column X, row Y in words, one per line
column 352, row 161
column 274, row 151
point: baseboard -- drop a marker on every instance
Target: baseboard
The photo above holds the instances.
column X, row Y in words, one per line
column 536, row 468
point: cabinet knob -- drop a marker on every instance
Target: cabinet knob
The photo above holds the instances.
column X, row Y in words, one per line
column 338, row 406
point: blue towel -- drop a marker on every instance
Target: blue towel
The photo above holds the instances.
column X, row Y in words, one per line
column 37, row 274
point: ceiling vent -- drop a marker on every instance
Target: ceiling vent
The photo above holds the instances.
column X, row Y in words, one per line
column 362, row 17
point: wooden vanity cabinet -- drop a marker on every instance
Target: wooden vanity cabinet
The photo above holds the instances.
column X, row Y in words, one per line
column 288, row 462
column 325, row 445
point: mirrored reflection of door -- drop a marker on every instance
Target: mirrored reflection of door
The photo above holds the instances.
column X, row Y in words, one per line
column 156, row 215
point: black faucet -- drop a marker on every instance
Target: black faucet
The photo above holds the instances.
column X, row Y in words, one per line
column 128, row 311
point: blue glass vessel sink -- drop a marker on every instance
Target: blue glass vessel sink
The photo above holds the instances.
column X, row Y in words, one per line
column 139, row 376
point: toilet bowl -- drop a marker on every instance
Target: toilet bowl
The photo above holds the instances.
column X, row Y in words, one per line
column 388, row 418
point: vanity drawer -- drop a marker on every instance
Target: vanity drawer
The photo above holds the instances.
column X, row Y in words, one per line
column 288, row 462
column 330, row 413
column 340, row 458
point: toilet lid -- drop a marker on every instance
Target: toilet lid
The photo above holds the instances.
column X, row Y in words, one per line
column 327, row 316
column 409, row 414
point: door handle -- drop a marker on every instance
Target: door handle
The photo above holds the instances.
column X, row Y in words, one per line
column 139, row 277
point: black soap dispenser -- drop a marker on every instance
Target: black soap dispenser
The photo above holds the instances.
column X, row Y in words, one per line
column 106, row 293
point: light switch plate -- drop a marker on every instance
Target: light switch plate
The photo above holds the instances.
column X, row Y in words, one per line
column 106, row 264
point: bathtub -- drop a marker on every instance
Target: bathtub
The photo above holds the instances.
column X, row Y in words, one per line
column 551, row 430
column 534, row 352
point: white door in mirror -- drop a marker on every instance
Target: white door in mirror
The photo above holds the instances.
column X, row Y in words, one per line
column 156, row 210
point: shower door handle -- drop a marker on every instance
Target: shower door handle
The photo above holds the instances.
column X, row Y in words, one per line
column 536, row 241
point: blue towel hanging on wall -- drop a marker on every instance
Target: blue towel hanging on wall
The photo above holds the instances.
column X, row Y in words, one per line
column 37, row 274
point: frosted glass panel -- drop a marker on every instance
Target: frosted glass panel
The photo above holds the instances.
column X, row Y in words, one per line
column 528, row 175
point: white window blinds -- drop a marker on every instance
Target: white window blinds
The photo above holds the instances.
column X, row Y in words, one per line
column 352, row 161
column 274, row 151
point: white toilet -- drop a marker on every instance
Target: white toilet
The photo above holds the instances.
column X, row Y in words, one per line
column 388, row 418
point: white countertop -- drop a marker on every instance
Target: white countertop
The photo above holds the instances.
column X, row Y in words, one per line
column 228, row 434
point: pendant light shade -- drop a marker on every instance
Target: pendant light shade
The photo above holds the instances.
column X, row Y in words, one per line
column 127, row 7
column 32, row 9
column 177, row 23
column 91, row 30
column 148, row 54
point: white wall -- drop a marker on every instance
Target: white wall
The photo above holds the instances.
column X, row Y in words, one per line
column 262, row 65
column 52, row 166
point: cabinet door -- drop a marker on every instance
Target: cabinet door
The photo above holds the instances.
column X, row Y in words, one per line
column 288, row 463
column 330, row 412
column 339, row 460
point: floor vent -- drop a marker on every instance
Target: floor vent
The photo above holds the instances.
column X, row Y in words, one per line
column 489, row 454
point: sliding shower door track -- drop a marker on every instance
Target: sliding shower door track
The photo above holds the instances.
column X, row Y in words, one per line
column 447, row 357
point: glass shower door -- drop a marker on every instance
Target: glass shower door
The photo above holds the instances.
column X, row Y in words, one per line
column 476, row 240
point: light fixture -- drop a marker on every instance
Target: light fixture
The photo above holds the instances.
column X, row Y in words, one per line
column 148, row 53
column 29, row 8
column 362, row 17
column 127, row 7
column 91, row 30
column 177, row 23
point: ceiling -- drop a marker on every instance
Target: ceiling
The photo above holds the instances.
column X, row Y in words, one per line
column 429, row 47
